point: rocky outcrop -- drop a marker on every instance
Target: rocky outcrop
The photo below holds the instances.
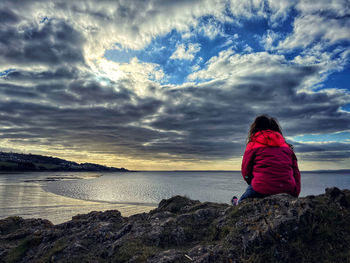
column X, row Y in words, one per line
column 279, row 228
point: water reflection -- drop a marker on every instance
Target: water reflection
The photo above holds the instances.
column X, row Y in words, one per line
column 22, row 195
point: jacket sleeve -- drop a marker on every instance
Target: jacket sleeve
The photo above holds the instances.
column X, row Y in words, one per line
column 296, row 175
column 247, row 166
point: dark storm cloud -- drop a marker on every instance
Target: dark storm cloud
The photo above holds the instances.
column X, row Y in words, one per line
column 93, row 128
column 63, row 103
column 337, row 156
column 321, row 147
column 64, row 86
column 92, row 91
column 218, row 113
column 13, row 91
column 92, row 117
column 7, row 16
column 59, row 74
column 82, row 92
column 206, row 122
column 68, row 106
column 51, row 43
column 196, row 148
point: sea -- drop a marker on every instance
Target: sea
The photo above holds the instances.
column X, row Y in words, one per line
column 57, row 196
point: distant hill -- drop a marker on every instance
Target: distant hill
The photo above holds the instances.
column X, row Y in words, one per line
column 33, row 162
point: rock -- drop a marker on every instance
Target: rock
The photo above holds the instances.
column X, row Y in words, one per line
column 338, row 196
column 168, row 256
column 278, row 228
column 175, row 204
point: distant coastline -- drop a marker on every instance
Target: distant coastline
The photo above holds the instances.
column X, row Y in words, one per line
column 341, row 171
column 15, row 162
column 238, row 171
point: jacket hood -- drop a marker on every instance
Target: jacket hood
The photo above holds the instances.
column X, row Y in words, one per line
column 269, row 138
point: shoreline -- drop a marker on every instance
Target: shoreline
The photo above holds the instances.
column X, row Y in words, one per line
column 25, row 195
column 30, row 200
column 59, row 209
column 103, row 202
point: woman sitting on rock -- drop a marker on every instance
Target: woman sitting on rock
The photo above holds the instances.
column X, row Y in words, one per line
column 269, row 164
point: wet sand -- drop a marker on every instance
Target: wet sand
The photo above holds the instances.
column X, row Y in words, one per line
column 29, row 200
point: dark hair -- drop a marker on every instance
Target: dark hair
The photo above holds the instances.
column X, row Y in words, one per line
column 264, row 122
column 274, row 125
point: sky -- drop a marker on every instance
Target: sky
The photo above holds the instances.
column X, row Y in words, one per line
column 174, row 85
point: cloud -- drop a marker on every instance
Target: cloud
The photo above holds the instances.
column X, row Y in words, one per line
column 323, row 152
column 244, row 86
column 61, row 93
column 238, row 67
column 183, row 52
column 310, row 27
column 274, row 11
column 319, row 26
column 210, row 27
column 7, row 16
column 51, row 43
column 269, row 39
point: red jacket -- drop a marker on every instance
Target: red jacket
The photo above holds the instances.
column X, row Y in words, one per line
column 270, row 165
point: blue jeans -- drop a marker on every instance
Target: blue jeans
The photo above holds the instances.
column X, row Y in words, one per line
column 250, row 193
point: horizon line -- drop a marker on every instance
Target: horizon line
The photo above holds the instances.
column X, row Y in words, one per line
column 304, row 171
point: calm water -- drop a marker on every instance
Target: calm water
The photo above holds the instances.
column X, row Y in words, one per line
column 58, row 196
column 152, row 187
column 23, row 195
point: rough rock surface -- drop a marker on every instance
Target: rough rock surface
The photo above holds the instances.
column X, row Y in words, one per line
column 279, row 228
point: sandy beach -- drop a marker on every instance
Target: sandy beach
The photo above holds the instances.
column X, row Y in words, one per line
column 29, row 200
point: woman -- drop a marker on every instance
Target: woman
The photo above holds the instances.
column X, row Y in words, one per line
column 269, row 164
